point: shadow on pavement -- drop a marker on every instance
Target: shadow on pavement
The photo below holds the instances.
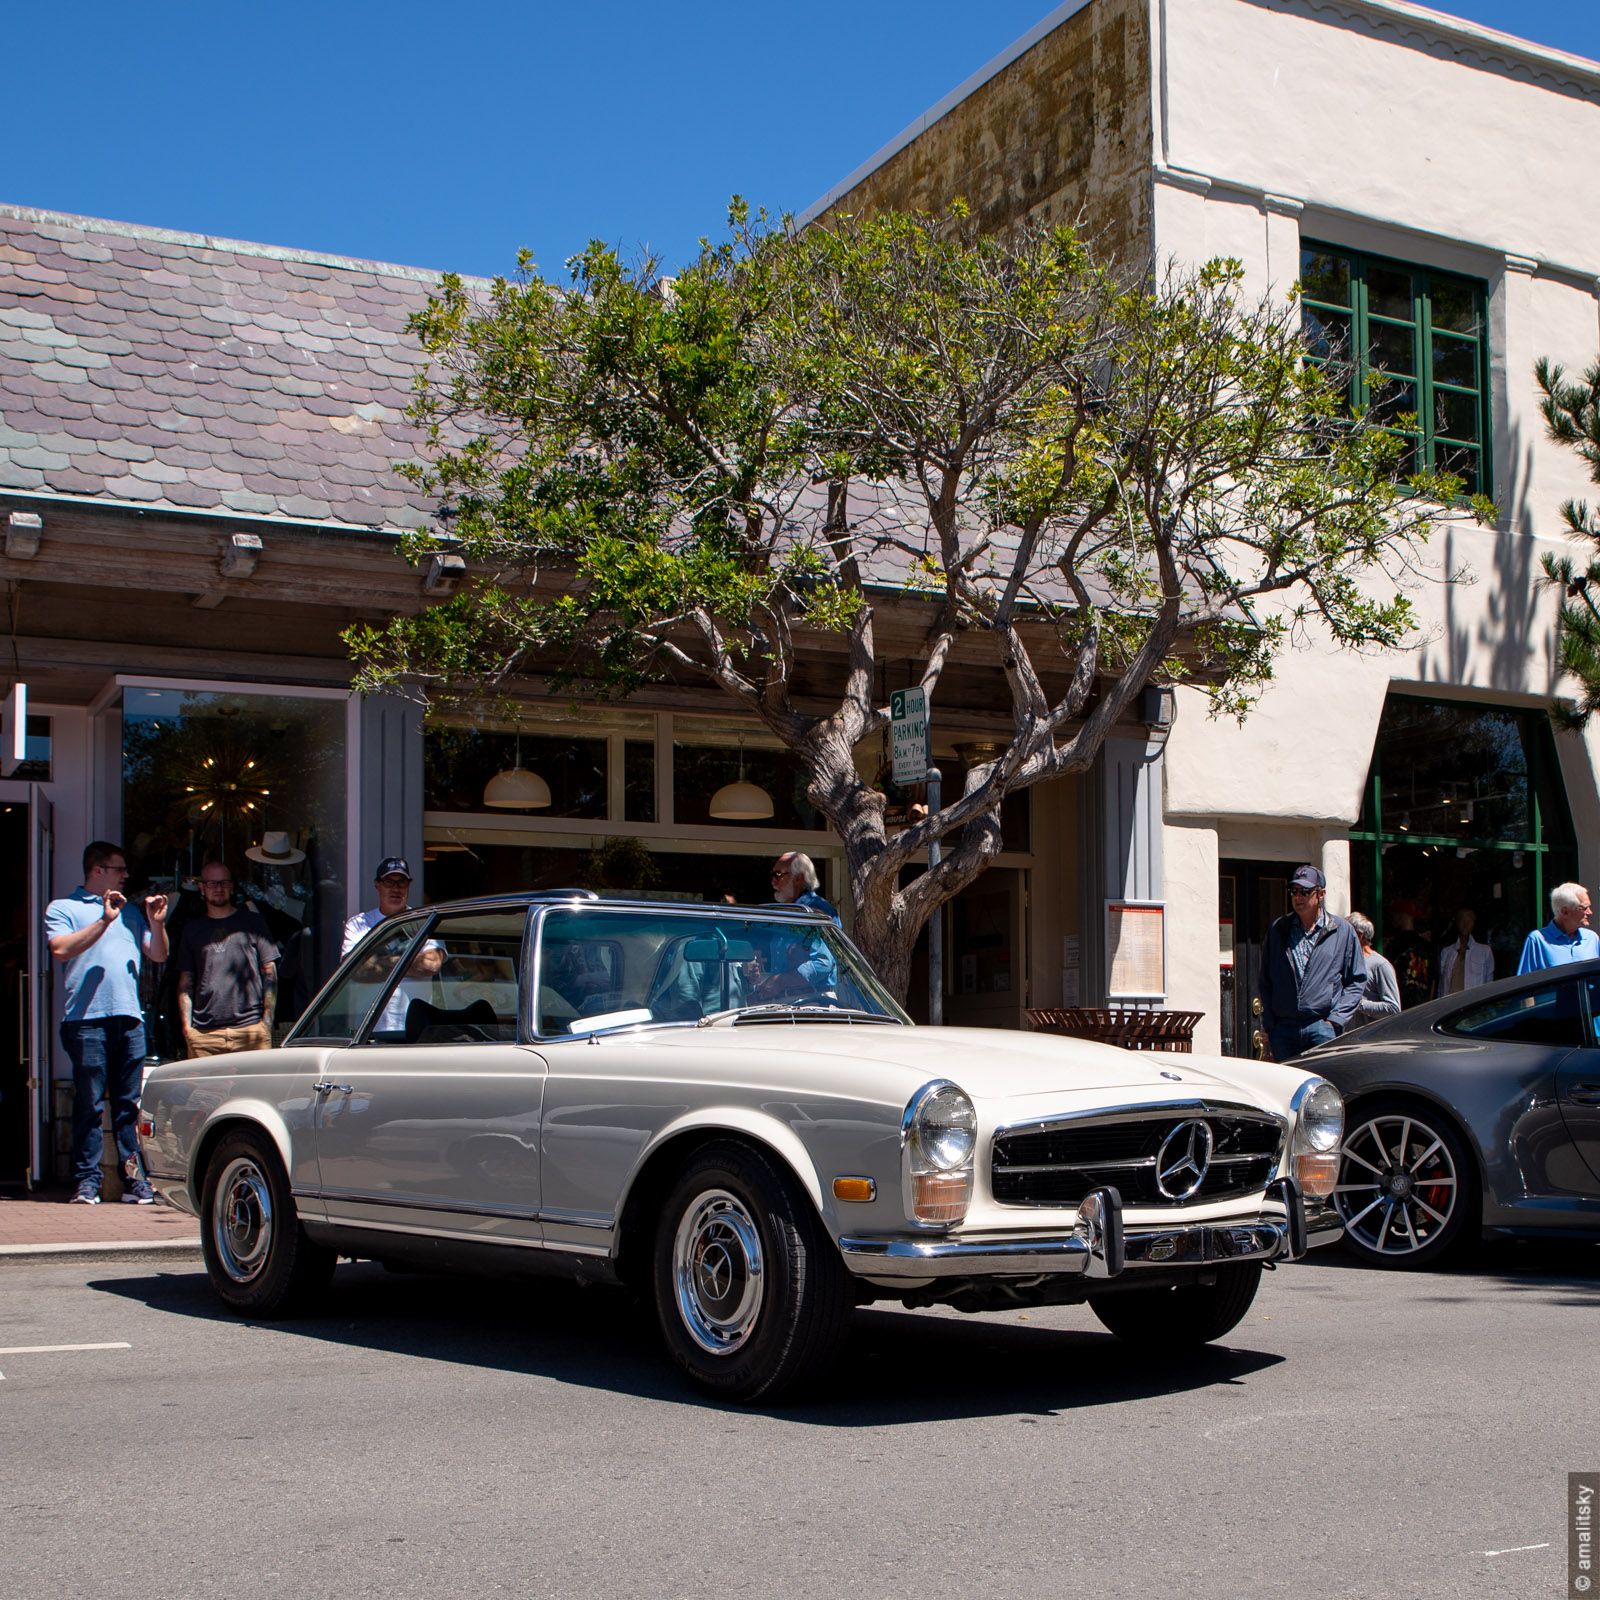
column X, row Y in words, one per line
column 898, row 1366
column 1562, row 1271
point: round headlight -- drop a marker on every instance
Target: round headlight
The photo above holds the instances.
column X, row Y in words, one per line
column 1321, row 1112
column 944, row 1129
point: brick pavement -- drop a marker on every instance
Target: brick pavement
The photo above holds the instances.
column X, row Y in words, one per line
column 43, row 1223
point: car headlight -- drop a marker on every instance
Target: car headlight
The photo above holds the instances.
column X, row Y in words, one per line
column 1318, row 1130
column 940, row 1135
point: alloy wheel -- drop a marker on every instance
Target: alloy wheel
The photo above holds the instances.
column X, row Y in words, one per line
column 1399, row 1186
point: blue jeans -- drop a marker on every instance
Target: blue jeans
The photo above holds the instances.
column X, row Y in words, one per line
column 106, row 1053
column 1289, row 1039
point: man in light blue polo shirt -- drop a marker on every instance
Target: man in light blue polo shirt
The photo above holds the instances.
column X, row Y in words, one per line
column 101, row 940
column 1566, row 937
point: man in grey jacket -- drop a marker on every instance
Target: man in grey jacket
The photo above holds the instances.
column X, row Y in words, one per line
column 1381, row 997
column 1312, row 971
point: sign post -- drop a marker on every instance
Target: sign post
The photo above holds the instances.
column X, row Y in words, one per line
column 14, row 729
column 912, row 755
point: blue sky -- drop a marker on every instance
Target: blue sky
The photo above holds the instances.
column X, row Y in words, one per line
column 448, row 136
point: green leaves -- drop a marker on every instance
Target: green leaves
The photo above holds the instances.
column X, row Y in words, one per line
column 1572, row 417
column 1115, row 474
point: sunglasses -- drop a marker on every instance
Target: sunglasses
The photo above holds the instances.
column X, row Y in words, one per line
column 1303, row 894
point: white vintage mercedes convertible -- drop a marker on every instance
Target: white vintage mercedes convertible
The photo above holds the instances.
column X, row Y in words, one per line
column 722, row 1108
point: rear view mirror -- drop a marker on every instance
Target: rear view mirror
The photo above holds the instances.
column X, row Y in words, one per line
column 719, row 950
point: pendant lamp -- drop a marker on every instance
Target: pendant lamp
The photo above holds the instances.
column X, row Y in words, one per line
column 741, row 801
column 517, row 789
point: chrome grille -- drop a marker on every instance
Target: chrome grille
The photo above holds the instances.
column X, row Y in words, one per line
column 1058, row 1164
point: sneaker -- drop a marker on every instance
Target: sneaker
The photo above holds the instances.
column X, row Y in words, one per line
column 136, row 1192
column 86, row 1195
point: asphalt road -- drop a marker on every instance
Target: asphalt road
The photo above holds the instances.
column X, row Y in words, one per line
column 1362, row 1434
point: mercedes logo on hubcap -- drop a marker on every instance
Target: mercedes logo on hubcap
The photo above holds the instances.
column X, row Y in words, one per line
column 1183, row 1160
column 716, row 1271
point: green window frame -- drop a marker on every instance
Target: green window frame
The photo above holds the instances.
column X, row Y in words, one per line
column 1411, row 340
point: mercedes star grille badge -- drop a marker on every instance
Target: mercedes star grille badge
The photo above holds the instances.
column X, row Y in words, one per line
column 1183, row 1160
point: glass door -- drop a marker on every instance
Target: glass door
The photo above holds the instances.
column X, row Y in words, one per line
column 1251, row 894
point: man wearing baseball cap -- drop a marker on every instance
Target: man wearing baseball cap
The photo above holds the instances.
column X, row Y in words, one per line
column 1312, row 971
column 392, row 881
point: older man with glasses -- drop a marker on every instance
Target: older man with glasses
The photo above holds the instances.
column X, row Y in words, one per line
column 1312, row 971
column 227, row 973
column 1567, row 936
column 796, row 963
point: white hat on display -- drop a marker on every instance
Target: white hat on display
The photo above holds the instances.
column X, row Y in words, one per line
column 275, row 851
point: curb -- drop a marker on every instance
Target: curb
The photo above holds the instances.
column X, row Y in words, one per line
column 89, row 1250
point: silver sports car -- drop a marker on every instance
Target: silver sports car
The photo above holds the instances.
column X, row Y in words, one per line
column 722, row 1107
column 1476, row 1114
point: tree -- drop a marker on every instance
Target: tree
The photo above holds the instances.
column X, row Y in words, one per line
column 1108, row 480
column 1572, row 417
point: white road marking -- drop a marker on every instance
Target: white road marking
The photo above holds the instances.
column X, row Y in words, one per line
column 1517, row 1549
column 50, row 1349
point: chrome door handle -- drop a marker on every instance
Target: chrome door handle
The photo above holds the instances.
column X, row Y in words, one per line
column 333, row 1088
column 1585, row 1094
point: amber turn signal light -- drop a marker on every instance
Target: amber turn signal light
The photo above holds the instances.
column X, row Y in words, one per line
column 854, row 1189
column 941, row 1196
column 1317, row 1173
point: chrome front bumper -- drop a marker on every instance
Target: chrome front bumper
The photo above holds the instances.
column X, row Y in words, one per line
column 1100, row 1247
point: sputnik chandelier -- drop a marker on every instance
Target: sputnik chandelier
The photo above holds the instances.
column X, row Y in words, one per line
column 227, row 787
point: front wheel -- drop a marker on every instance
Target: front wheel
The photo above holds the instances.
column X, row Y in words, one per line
column 1184, row 1315
column 750, row 1293
column 1405, row 1190
column 257, row 1255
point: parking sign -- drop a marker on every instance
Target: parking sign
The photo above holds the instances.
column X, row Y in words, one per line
column 908, row 734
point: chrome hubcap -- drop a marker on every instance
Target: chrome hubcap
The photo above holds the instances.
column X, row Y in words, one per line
column 241, row 1222
column 717, row 1272
column 1398, row 1186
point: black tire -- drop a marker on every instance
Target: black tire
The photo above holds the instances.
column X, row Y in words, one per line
column 258, row 1257
column 1407, row 1191
column 744, row 1334
column 1179, row 1317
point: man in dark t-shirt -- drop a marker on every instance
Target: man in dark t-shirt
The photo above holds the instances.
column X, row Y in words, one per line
column 227, row 973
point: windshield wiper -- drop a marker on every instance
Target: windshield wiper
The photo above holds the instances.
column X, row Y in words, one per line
column 779, row 1011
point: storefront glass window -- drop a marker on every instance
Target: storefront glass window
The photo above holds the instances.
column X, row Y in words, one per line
column 639, row 767
column 704, row 759
column 257, row 781
column 458, row 763
column 616, row 866
column 1463, row 811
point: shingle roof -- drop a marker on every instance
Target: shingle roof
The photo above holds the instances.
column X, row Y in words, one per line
column 184, row 372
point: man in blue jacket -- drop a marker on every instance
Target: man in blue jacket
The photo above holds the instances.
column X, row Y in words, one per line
column 1312, row 971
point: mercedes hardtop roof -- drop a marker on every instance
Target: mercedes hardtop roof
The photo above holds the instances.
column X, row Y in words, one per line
column 588, row 900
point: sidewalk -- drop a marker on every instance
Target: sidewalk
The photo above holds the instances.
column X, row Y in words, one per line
column 44, row 1224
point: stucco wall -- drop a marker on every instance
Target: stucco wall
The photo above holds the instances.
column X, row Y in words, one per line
column 1064, row 128
column 1366, row 109
column 1352, row 124
column 1485, row 626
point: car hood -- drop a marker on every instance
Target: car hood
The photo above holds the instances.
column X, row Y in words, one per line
column 1026, row 1070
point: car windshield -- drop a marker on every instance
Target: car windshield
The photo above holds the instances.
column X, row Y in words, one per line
column 615, row 968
